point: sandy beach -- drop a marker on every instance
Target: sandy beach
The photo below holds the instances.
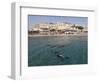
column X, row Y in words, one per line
column 77, row 34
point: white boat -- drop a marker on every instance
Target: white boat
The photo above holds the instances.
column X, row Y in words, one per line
column 60, row 55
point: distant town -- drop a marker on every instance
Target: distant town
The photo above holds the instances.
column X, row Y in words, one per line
column 60, row 28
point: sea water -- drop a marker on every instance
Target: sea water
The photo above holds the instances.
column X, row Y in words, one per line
column 45, row 50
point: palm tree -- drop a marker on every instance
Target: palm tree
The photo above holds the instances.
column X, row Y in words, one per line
column 80, row 28
column 52, row 30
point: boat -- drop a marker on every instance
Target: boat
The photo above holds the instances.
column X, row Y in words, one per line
column 60, row 56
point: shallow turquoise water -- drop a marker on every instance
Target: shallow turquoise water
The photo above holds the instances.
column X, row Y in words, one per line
column 43, row 51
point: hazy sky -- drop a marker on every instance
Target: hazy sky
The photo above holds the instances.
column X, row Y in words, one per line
column 36, row 19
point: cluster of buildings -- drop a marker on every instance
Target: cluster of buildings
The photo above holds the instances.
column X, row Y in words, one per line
column 56, row 28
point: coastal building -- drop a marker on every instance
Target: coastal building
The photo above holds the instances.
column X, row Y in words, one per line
column 57, row 28
column 85, row 29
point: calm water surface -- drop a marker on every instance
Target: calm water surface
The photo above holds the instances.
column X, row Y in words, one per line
column 44, row 50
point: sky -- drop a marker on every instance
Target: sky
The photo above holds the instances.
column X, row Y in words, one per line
column 36, row 19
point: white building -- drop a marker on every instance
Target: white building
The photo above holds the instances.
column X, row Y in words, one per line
column 47, row 27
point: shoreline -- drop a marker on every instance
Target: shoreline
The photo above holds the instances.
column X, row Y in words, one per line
column 80, row 34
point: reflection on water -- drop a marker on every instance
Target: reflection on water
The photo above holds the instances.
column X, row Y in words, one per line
column 57, row 50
